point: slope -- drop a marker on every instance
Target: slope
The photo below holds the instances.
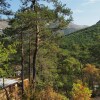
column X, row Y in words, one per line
column 84, row 44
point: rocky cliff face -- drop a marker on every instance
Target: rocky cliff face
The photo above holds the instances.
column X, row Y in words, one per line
column 3, row 24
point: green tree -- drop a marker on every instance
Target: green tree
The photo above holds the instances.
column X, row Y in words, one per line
column 6, row 53
column 31, row 29
column 37, row 22
column 4, row 7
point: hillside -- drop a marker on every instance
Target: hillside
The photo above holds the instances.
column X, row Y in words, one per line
column 84, row 44
column 85, row 36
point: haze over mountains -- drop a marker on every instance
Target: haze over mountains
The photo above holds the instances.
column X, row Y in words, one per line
column 67, row 30
column 73, row 27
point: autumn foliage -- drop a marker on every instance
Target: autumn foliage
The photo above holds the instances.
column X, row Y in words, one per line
column 49, row 94
column 81, row 92
column 91, row 69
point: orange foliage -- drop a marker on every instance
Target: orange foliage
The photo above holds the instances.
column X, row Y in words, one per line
column 90, row 69
column 50, row 94
column 26, row 83
column 81, row 92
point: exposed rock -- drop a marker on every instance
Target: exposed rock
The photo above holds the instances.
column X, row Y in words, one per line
column 3, row 24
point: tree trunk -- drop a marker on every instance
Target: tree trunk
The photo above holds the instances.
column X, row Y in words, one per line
column 29, row 59
column 35, row 54
column 82, row 75
column 34, row 3
column 22, row 63
column 7, row 95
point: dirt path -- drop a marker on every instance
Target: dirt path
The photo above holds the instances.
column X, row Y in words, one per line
column 97, row 98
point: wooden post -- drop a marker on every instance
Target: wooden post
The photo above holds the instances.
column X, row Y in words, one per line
column 3, row 82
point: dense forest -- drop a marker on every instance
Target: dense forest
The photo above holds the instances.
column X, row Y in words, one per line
column 58, row 66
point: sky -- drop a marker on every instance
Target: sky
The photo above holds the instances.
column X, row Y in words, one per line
column 85, row 12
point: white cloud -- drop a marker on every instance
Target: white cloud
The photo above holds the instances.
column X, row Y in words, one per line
column 90, row 2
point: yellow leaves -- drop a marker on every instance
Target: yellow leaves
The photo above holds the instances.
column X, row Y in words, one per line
column 81, row 92
column 91, row 74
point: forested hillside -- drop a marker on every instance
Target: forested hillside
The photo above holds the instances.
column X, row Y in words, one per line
column 56, row 66
column 84, row 44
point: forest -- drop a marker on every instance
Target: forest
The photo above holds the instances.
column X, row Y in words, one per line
column 58, row 66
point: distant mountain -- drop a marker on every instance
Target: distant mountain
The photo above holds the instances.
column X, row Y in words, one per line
column 67, row 30
column 3, row 24
column 98, row 22
column 73, row 27
column 84, row 36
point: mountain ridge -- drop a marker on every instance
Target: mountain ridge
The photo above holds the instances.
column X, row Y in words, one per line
column 84, row 44
column 67, row 30
column 73, row 28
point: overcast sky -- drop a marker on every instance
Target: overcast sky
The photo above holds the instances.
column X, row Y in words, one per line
column 85, row 12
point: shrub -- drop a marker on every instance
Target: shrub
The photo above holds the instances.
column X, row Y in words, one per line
column 81, row 92
column 49, row 94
